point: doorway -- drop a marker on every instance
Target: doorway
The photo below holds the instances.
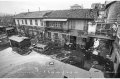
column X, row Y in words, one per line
column 89, row 42
column 73, row 42
column 73, row 39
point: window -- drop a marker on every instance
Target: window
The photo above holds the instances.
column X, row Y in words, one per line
column 41, row 23
column 63, row 36
column 36, row 22
column 22, row 22
column 41, row 34
column 25, row 21
column 56, row 35
column 49, row 34
column 55, row 24
column 51, row 24
column 18, row 22
column 115, row 61
column 31, row 22
column 72, row 23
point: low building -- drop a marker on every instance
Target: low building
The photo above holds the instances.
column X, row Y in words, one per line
column 20, row 44
column 31, row 24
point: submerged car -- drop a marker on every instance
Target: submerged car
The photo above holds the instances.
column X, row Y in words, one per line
column 40, row 48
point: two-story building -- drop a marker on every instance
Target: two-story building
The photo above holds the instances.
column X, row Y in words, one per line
column 69, row 25
column 31, row 24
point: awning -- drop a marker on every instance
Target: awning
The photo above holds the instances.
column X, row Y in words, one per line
column 9, row 28
column 54, row 19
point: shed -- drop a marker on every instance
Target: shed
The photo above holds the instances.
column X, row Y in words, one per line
column 20, row 44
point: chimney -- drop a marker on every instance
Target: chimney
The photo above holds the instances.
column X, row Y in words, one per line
column 39, row 8
column 28, row 11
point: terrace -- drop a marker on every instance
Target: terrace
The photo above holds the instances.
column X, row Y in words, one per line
column 104, row 30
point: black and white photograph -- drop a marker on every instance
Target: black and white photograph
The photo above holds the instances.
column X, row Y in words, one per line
column 60, row 39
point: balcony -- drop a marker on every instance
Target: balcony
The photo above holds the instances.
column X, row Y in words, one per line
column 100, row 20
column 104, row 31
column 57, row 29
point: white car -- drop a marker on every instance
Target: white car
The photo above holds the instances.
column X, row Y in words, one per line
column 40, row 48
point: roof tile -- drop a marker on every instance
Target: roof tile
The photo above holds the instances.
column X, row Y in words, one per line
column 37, row 14
column 60, row 14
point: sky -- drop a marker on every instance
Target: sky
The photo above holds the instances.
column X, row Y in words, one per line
column 18, row 6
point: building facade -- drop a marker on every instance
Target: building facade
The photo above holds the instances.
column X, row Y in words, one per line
column 112, row 13
column 68, row 25
column 59, row 25
column 31, row 24
column 77, row 26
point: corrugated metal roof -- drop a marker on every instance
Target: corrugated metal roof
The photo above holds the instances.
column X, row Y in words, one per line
column 17, row 38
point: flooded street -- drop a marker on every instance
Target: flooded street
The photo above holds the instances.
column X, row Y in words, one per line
column 34, row 65
column 15, row 65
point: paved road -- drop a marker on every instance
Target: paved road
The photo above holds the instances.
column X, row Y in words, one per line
column 34, row 65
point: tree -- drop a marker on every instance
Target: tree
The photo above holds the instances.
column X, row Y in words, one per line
column 7, row 20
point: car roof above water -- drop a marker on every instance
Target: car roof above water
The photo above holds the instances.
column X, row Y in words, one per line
column 41, row 45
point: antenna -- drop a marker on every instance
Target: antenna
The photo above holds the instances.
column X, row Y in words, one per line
column 39, row 8
column 82, row 6
column 15, row 14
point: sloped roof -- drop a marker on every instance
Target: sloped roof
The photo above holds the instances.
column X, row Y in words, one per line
column 60, row 14
column 113, row 11
column 37, row 14
column 77, row 14
column 109, row 3
column 17, row 38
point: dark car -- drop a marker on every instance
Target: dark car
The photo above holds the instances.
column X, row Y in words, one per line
column 70, row 46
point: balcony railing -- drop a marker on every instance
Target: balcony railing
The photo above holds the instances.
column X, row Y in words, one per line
column 105, row 31
column 57, row 29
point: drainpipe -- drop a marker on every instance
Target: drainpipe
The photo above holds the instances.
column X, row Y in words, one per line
column 68, row 32
column 43, row 35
